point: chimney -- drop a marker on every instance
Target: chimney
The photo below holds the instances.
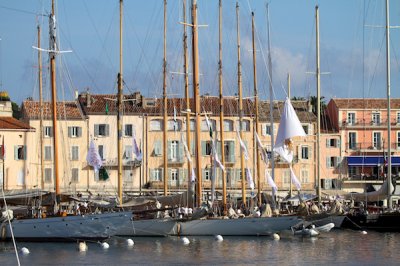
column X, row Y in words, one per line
column 309, row 105
column 88, row 100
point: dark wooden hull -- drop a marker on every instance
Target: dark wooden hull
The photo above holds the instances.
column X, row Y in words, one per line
column 381, row 222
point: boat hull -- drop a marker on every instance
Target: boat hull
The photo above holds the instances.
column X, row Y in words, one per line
column 148, row 227
column 238, row 227
column 323, row 219
column 381, row 222
column 68, row 228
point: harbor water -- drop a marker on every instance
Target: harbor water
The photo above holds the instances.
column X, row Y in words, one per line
column 338, row 247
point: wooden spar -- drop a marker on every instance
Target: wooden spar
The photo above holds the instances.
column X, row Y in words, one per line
column 196, row 93
column 165, row 104
column 52, row 55
column 187, row 95
column 41, row 110
column 221, row 104
column 243, row 174
column 259, row 190
column 119, row 115
column 290, row 183
column 318, row 74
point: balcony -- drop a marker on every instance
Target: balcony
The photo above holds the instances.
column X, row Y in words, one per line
column 125, row 162
column 368, row 146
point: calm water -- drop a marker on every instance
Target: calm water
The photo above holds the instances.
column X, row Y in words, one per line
column 340, row 247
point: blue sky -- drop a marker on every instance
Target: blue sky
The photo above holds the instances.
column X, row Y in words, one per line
column 353, row 55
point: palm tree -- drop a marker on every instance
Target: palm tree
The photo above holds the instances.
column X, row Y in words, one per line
column 314, row 101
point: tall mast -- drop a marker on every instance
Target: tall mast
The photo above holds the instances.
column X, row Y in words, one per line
column 52, row 54
column 187, row 95
column 165, row 141
column 271, row 97
column 41, row 110
column 196, row 88
column 119, row 115
column 256, row 109
column 240, row 105
column 289, row 96
column 318, row 73
column 221, row 104
column 389, row 171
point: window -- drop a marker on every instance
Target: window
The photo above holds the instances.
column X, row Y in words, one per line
column 128, row 130
column 156, row 125
column 47, row 153
column 332, row 161
column 128, row 152
column 398, row 140
column 101, row 130
column 204, row 126
column 174, row 175
column 156, row 174
column 229, row 151
column 304, row 152
column 173, row 150
column 206, row 148
column 332, row 143
column 206, row 174
column 268, row 130
column 157, row 148
column 20, row 152
column 74, row 132
column 245, row 125
column 74, row 175
column 174, row 125
column 352, row 140
column 304, row 176
column 228, row 125
column 351, row 118
column 377, row 140
column 75, row 153
column 398, row 118
column 48, row 132
column 48, row 172
column 2, row 153
column 286, row 178
column 376, row 118
column 192, row 125
column 101, row 150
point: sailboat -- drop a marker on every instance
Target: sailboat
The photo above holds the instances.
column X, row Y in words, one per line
column 383, row 220
column 248, row 226
column 61, row 227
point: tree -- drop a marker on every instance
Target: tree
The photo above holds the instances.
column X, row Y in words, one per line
column 16, row 112
column 314, row 101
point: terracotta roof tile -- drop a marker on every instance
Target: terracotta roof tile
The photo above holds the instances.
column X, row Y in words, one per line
column 65, row 110
column 366, row 103
column 10, row 123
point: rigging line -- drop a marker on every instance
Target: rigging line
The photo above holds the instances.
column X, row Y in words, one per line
column 22, row 11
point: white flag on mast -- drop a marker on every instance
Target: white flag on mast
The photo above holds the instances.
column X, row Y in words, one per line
column 271, row 182
column 264, row 155
column 216, row 159
column 243, row 146
column 249, row 178
column 93, row 157
column 187, row 153
column 136, row 149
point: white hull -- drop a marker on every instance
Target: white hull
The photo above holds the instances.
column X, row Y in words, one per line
column 148, row 227
column 238, row 227
column 69, row 228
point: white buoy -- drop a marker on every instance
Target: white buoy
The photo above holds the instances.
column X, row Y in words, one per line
column 130, row 242
column 276, row 236
column 219, row 238
column 82, row 247
column 105, row 245
column 364, row 232
column 25, row 251
column 185, row 240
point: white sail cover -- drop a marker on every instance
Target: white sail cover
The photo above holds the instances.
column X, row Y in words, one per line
column 271, row 181
column 249, row 178
column 136, row 149
column 187, row 153
column 295, row 180
column 289, row 125
column 93, row 158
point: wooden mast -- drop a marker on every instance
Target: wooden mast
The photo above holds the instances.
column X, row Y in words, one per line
column 318, row 73
column 165, row 104
column 221, row 114
column 256, row 110
column 196, row 93
column 119, row 115
column 52, row 54
column 243, row 174
column 41, row 110
column 187, row 95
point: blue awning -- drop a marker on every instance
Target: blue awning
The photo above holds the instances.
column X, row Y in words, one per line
column 371, row 160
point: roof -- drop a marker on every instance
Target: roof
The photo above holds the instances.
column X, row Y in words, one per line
column 365, row 103
column 10, row 123
column 66, row 110
column 301, row 108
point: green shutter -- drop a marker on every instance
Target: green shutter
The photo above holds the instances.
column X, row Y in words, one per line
column 79, row 131
column 107, row 133
column 203, row 148
column 169, row 149
column 96, row 129
column 231, row 151
column 180, row 151
column 16, row 153
column 69, row 132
